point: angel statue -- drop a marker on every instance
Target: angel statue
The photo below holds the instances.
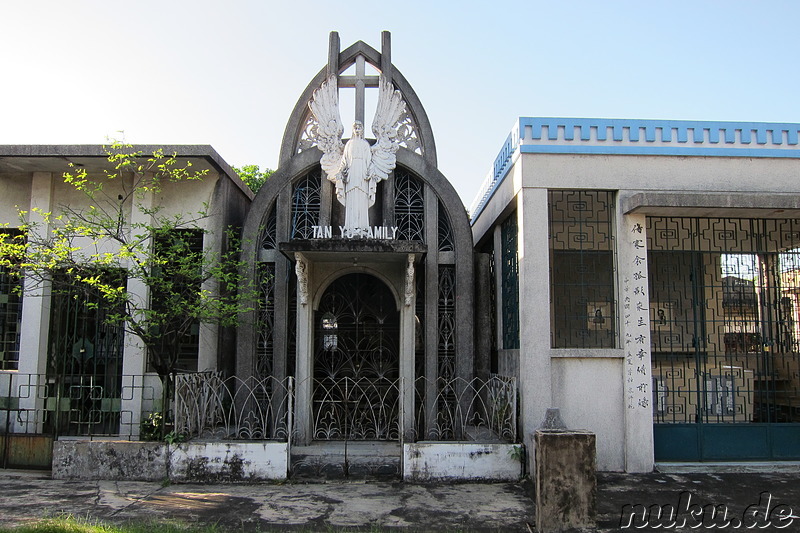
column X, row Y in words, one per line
column 356, row 167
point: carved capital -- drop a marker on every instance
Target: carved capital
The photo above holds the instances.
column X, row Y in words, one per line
column 409, row 295
column 301, row 270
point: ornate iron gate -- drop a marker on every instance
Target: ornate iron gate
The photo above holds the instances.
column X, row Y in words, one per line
column 84, row 369
column 725, row 329
column 356, row 363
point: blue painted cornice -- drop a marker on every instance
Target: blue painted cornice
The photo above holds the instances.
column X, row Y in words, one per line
column 638, row 137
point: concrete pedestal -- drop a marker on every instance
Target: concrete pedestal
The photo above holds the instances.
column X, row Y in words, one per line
column 566, row 481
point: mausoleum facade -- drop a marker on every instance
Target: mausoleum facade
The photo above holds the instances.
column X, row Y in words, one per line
column 640, row 276
column 645, row 275
column 376, row 318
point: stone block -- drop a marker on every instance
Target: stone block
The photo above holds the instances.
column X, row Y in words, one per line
column 110, row 460
column 566, row 480
column 451, row 461
column 228, row 462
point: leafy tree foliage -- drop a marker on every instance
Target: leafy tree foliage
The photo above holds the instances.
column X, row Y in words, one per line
column 121, row 228
column 253, row 176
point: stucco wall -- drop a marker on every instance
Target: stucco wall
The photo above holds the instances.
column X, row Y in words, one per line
column 15, row 194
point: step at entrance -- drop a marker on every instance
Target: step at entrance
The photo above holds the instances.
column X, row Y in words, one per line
column 337, row 460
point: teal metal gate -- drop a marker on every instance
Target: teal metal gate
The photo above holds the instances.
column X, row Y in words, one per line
column 724, row 332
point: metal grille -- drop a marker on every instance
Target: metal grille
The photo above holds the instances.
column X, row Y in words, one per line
column 211, row 406
column 291, row 326
column 409, row 206
column 445, row 231
column 10, row 312
column 356, row 367
column 419, row 322
column 582, row 269
column 266, row 321
column 476, row 410
column 84, row 365
column 724, row 319
column 305, row 205
column 510, row 282
column 447, row 322
column 185, row 243
column 493, row 361
column 269, row 234
column 448, row 395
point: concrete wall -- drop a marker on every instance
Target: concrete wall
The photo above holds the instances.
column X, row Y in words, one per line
column 598, row 408
column 214, row 462
column 660, row 173
column 112, row 460
column 15, row 194
column 458, row 461
column 197, row 462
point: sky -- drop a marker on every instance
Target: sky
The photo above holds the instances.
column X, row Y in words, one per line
column 228, row 73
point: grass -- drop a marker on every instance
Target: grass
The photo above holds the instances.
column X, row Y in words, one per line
column 74, row 525
column 69, row 524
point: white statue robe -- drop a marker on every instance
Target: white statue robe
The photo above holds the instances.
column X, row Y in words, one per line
column 356, row 190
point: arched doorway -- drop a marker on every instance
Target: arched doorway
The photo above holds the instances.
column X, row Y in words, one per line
column 356, row 361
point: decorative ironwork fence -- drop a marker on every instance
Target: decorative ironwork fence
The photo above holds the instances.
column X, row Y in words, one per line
column 209, row 405
column 357, row 409
column 468, row 410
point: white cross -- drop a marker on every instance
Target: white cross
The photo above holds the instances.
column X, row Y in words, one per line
column 360, row 82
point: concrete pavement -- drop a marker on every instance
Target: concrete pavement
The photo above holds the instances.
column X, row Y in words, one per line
column 27, row 495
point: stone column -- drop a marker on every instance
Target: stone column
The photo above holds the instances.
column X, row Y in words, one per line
column 305, row 353
column 535, row 377
column 635, row 333
column 407, row 352
column 208, row 344
column 35, row 327
column 134, row 353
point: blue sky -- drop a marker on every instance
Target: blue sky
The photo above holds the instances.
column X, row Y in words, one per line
column 229, row 73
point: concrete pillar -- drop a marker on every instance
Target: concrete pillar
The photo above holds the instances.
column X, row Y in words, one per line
column 209, row 333
column 305, row 352
column 535, row 378
column 407, row 353
column 35, row 327
column 635, row 334
column 134, row 353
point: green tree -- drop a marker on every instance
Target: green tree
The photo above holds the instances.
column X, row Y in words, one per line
column 253, row 176
column 82, row 249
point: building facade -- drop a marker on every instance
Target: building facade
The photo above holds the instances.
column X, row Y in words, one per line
column 645, row 275
column 364, row 334
column 640, row 276
column 64, row 371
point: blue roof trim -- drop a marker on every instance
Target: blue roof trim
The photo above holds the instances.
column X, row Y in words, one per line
column 661, row 137
column 654, row 150
column 763, row 130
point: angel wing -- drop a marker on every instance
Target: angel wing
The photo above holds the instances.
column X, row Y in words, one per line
column 324, row 105
column 391, row 107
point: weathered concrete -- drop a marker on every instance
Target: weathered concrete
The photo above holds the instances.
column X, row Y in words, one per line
column 111, row 460
column 566, row 482
column 462, row 461
column 28, row 496
column 339, row 460
column 200, row 462
column 210, row 462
